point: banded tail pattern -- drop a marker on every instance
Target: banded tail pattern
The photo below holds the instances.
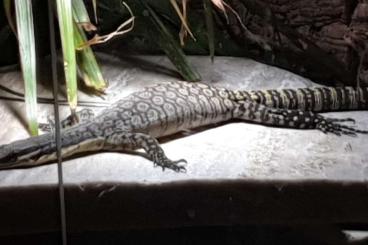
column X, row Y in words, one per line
column 317, row 99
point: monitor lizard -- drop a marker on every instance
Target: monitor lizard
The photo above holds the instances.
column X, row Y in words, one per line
column 137, row 120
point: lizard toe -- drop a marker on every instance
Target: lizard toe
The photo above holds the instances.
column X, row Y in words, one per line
column 164, row 162
column 342, row 120
column 332, row 125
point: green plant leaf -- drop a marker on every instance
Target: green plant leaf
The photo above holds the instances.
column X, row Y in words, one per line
column 210, row 27
column 81, row 16
column 171, row 47
column 25, row 30
column 88, row 67
column 80, row 12
column 65, row 16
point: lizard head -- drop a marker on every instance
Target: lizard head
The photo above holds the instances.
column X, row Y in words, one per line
column 7, row 156
column 26, row 152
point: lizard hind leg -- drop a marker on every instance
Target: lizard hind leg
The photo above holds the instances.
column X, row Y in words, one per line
column 333, row 125
column 296, row 119
column 150, row 145
column 311, row 120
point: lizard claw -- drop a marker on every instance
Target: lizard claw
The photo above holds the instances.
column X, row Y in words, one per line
column 180, row 168
column 164, row 163
column 332, row 125
column 342, row 120
column 174, row 165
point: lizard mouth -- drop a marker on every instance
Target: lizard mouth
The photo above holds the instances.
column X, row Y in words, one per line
column 7, row 162
column 7, row 157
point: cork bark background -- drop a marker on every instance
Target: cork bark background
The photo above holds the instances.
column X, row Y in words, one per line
column 325, row 40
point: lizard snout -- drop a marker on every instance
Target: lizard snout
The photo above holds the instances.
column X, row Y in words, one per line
column 7, row 156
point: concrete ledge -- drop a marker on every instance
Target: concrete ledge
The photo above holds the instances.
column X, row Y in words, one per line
column 113, row 206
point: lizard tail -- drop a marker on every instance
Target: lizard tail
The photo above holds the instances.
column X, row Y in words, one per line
column 317, row 99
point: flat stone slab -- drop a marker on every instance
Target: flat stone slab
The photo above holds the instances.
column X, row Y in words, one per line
column 231, row 158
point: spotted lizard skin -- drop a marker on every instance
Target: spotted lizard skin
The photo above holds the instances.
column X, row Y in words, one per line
column 137, row 120
column 317, row 99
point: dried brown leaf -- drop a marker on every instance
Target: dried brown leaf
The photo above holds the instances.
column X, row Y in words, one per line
column 119, row 31
column 87, row 26
column 183, row 18
column 183, row 31
column 219, row 4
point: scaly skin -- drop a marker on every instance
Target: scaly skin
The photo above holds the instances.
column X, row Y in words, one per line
column 167, row 108
column 317, row 99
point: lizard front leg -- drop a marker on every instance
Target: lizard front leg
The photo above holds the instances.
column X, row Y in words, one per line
column 81, row 116
column 150, row 146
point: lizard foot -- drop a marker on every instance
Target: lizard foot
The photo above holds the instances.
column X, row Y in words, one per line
column 334, row 126
column 47, row 127
column 151, row 147
column 44, row 127
column 162, row 161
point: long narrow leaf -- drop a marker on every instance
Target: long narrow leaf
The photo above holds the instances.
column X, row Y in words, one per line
column 64, row 10
column 182, row 17
column 171, row 46
column 88, row 67
column 7, row 9
column 81, row 16
column 210, row 27
column 23, row 10
column 80, row 11
column 94, row 3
